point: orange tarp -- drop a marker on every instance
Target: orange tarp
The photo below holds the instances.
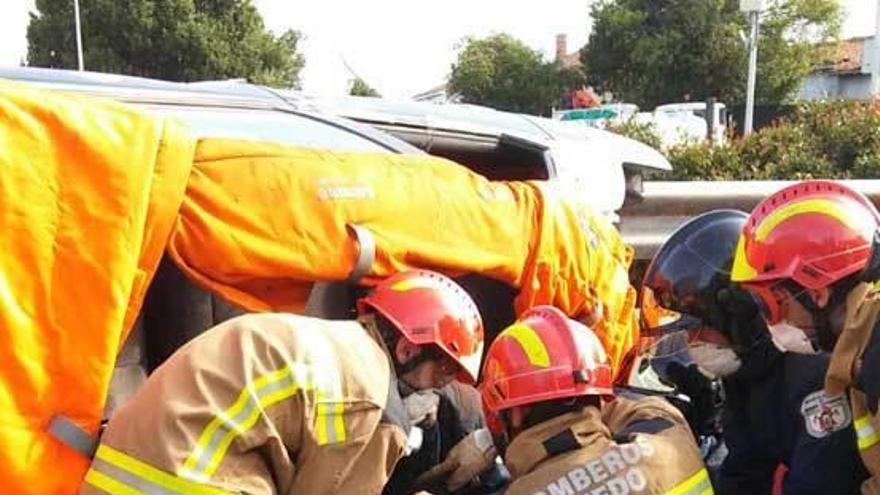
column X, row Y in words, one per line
column 89, row 192
column 92, row 192
column 260, row 223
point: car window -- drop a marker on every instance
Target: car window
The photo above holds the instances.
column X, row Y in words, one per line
column 286, row 128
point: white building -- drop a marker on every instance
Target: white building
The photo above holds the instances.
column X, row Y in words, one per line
column 847, row 76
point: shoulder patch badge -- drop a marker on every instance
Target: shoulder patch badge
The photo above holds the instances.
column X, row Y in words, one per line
column 824, row 415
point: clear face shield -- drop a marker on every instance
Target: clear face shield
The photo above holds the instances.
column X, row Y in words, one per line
column 673, row 337
column 664, row 339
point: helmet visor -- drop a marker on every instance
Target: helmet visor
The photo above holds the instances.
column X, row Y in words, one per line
column 658, row 319
column 675, row 345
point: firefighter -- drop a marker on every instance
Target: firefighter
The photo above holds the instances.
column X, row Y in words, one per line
column 774, row 411
column 278, row 403
column 549, row 403
column 810, row 256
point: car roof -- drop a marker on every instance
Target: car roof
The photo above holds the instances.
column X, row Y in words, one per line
column 466, row 119
column 146, row 91
column 472, row 119
column 484, row 121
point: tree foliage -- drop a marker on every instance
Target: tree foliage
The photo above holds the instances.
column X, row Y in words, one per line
column 828, row 140
column 502, row 72
column 359, row 87
column 659, row 51
column 178, row 40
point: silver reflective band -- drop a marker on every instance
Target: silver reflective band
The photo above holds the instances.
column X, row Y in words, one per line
column 366, row 252
column 130, row 480
column 67, row 432
column 413, row 441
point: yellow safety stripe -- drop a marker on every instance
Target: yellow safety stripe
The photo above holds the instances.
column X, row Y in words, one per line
column 245, row 412
column 418, row 283
column 329, row 422
column 822, row 206
column 136, row 476
column 742, row 270
column 531, row 343
column 216, row 438
column 110, row 485
column 866, row 433
column 698, row 484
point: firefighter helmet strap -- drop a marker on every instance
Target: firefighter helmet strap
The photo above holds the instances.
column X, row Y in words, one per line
column 871, row 273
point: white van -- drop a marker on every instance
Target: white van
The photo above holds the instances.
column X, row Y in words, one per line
column 677, row 122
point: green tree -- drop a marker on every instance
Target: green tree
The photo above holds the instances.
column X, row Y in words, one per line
column 659, row 51
column 502, row 72
column 360, row 88
column 178, row 40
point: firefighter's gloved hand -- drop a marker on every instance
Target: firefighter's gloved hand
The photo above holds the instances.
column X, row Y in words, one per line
column 703, row 411
column 421, row 406
column 474, row 454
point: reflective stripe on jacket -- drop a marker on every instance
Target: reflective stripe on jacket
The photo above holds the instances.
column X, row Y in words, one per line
column 264, row 403
column 634, row 447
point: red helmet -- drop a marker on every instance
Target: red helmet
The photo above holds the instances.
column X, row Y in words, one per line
column 543, row 356
column 430, row 308
column 813, row 233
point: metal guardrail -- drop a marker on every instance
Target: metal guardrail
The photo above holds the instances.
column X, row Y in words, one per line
column 667, row 205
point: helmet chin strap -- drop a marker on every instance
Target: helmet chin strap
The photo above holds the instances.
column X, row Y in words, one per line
column 824, row 338
column 872, row 270
column 401, row 369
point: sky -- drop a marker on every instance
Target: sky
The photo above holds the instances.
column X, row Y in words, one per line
column 402, row 47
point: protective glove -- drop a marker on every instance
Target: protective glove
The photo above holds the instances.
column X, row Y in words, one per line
column 474, row 454
column 421, row 406
column 706, row 399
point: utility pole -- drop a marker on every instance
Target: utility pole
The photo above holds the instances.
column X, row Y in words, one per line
column 753, row 8
column 875, row 64
column 79, row 46
column 753, row 73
